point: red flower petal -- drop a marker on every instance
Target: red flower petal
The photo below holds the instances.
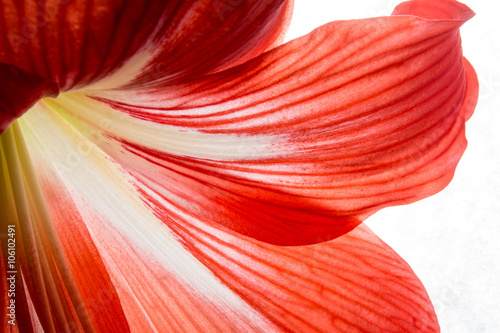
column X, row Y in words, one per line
column 161, row 286
column 353, row 283
column 212, row 279
column 19, row 91
column 307, row 140
column 61, row 282
column 70, row 44
column 97, row 290
column 147, row 297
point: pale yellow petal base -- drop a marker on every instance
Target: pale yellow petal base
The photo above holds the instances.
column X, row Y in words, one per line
column 43, row 266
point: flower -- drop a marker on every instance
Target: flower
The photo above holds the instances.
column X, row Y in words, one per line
column 179, row 151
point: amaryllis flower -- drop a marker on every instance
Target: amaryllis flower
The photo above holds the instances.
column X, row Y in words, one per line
column 168, row 166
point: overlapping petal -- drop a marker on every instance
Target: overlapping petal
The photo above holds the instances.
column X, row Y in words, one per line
column 91, row 276
column 68, row 44
column 187, row 153
column 161, row 286
column 58, row 271
column 212, row 279
column 307, row 140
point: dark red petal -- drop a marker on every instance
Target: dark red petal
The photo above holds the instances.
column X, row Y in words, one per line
column 307, row 140
column 212, row 36
column 74, row 43
column 19, row 90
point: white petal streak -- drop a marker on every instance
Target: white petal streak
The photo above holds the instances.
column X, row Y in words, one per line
column 96, row 182
column 168, row 139
column 131, row 69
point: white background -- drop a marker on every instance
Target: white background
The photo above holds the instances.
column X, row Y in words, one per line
column 451, row 240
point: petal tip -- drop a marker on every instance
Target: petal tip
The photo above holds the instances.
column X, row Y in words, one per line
column 435, row 10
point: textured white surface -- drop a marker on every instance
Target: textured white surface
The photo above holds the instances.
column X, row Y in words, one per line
column 451, row 240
